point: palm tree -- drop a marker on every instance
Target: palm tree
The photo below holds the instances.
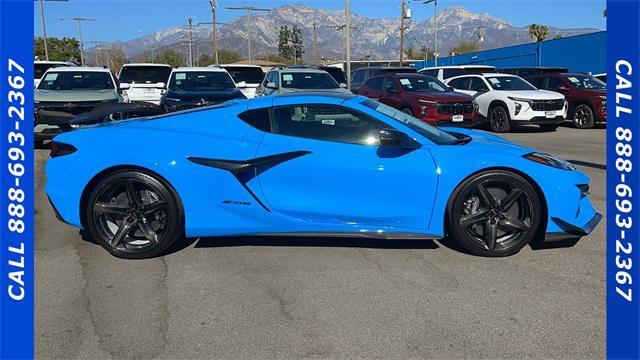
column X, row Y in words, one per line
column 538, row 32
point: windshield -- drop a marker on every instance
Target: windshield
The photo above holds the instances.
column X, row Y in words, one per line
column 509, row 83
column 308, row 81
column 77, row 80
column 430, row 132
column 40, row 69
column 422, row 84
column 201, row 81
column 586, row 82
column 336, row 73
column 248, row 74
column 145, row 74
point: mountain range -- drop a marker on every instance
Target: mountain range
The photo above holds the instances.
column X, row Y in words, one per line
column 374, row 38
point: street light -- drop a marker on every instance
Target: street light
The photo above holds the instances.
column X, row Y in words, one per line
column 44, row 27
column 248, row 9
column 79, row 20
column 435, row 29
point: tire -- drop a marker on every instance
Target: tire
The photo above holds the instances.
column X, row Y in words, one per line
column 549, row 127
column 494, row 213
column 133, row 215
column 499, row 120
column 407, row 110
column 583, row 117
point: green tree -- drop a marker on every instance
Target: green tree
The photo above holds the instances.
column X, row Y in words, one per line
column 117, row 58
column 65, row 49
column 284, row 47
column 205, row 60
column 170, row 57
column 274, row 58
column 465, row 47
column 538, row 32
column 297, row 48
column 226, row 56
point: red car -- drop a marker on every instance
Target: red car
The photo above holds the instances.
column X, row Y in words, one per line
column 586, row 95
column 422, row 96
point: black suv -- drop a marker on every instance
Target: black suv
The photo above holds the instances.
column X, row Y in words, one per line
column 361, row 75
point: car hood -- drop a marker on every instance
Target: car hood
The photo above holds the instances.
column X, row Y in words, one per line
column 75, row 95
column 198, row 96
column 449, row 96
column 533, row 94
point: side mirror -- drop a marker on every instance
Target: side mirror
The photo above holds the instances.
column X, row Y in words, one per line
column 392, row 137
column 161, row 85
column 242, row 85
column 125, row 86
column 343, row 85
column 271, row 85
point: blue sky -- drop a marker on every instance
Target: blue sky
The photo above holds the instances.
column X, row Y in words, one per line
column 128, row 19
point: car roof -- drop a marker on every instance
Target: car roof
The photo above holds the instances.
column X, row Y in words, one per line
column 237, row 65
column 300, row 70
column 459, row 67
column 80, row 69
column 67, row 63
column 327, row 93
column 146, row 64
column 196, row 68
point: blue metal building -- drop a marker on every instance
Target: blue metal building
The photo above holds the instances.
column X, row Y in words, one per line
column 581, row 53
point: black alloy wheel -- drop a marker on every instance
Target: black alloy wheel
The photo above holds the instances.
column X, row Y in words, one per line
column 133, row 215
column 494, row 213
column 583, row 117
column 499, row 119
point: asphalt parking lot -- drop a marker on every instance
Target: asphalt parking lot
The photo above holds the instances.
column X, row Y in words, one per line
column 326, row 298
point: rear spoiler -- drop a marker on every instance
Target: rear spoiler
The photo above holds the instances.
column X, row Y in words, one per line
column 117, row 111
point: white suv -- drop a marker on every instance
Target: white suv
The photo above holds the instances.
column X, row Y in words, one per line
column 247, row 77
column 446, row 72
column 505, row 100
column 144, row 82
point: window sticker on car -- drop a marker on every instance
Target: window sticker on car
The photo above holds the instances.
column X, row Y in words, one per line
column 405, row 82
column 494, row 81
column 51, row 77
column 287, row 77
column 328, row 122
column 574, row 80
column 181, row 76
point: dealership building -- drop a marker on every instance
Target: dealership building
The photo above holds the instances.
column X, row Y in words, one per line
column 581, row 53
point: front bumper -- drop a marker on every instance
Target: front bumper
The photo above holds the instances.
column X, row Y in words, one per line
column 541, row 120
column 572, row 231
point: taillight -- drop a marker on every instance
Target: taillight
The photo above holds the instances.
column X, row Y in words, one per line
column 61, row 149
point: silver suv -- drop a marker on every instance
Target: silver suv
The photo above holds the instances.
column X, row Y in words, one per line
column 298, row 78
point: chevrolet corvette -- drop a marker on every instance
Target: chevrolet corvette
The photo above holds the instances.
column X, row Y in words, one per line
column 309, row 164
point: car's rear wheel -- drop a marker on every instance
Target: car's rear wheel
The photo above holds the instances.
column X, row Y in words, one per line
column 133, row 215
column 583, row 117
column 499, row 119
column 494, row 213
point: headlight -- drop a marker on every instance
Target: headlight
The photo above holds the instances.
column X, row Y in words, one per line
column 520, row 99
column 550, row 160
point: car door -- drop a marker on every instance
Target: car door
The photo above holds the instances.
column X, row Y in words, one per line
column 390, row 92
column 338, row 174
column 462, row 84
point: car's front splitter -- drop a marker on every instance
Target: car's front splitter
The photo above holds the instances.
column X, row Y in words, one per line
column 571, row 230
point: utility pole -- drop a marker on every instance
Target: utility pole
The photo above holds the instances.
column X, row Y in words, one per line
column 44, row 27
column 79, row 20
column 248, row 9
column 402, row 16
column 214, row 31
column 190, row 41
column 315, row 44
column 347, row 34
column 96, row 43
column 215, row 51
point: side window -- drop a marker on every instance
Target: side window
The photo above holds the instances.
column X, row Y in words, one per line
column 478, row 84
column 267, row 78
column 389, row 83
column 276, row 78
column 376, row 83
column 537, row 82
column 258, row 118
column 449, row 73
column 463, row 83
column 553, row 83
column 328, row 123
column 357, row 77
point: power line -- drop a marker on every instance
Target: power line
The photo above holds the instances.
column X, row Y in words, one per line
column 79, row 20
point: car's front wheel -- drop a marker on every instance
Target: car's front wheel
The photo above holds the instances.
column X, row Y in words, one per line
column 494, row 213
column 499, row 120
column 133, row 215
column 583, row 117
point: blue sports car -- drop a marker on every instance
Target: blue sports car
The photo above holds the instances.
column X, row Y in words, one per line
column 309, row 164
